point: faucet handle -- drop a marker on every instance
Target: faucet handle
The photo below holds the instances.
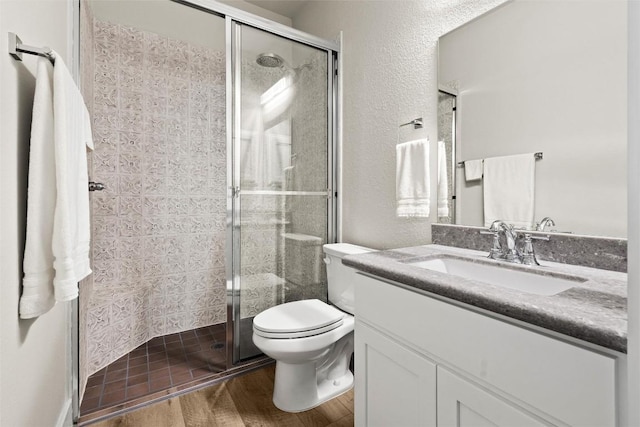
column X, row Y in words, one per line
column 496, row 249
column 528, row 255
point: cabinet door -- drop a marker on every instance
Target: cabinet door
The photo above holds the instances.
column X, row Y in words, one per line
column 394, row 386
column 463, row 404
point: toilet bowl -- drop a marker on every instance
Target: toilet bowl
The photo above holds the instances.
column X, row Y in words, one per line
column 311, row 341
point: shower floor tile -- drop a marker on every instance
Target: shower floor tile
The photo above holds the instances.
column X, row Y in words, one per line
column 159, row 364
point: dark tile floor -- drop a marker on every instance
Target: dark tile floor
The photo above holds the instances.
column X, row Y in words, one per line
column 158, row 365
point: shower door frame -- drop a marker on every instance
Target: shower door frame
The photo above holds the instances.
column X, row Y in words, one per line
column 234, row 47
column 453, row 163
column 234, row 19
column 230, row 14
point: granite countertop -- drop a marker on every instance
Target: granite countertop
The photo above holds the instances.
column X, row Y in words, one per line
column 595, row 310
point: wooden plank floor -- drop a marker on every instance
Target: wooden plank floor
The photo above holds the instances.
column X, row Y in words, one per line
column 240, row 401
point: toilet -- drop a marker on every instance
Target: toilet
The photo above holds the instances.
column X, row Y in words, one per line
column 311, row 341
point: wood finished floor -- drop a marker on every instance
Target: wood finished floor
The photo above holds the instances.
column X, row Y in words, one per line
column 240, row 401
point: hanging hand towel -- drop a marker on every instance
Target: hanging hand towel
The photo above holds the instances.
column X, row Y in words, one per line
column 57, row 243
column 412, row 179
column 443, row 181
column 37, row 294
column 473, row 170
column 509, row 190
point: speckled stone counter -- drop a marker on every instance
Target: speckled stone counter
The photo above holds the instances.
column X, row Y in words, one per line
column 607, row 253
column 594, row 310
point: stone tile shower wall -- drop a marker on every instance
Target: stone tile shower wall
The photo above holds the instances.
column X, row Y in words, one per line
column 159, row 227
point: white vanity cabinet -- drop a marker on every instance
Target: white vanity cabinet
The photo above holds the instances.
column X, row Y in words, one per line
column 464, row 404
column 422, row 361
column 398, row 385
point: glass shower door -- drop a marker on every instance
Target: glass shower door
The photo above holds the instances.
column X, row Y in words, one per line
column 446, row 157
column 282, row 173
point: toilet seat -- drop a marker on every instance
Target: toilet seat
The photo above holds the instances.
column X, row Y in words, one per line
column 297, row 319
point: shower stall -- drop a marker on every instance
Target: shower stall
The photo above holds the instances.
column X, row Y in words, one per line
column 215, row 143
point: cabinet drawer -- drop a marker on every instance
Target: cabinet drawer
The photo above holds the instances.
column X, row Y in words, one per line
column 567, row 382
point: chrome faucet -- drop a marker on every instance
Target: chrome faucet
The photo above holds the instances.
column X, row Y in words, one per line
column 545, row 221
column 511, row 252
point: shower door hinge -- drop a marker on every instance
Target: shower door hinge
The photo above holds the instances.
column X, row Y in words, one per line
column 235, row 192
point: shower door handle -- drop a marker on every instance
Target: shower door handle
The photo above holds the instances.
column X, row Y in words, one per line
column 235, row 192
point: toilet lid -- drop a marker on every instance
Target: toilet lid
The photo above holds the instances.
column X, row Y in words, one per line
column 297, row 319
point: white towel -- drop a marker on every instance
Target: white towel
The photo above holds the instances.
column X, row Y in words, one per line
column 509, row 190
column 473, row 170
column 443, row 181
column 412, row 179
column 37, row 295
column 57, row 243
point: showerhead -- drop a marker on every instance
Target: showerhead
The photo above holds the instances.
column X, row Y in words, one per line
column 270, row 60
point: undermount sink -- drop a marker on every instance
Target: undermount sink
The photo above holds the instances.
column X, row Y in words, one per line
column 498, row 275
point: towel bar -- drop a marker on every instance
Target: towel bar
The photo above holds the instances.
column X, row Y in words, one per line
column 538, row 156
column 16, row 49
column 417, row 123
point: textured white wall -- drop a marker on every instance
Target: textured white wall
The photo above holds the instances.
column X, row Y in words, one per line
column 389, row 78
column 34, row 354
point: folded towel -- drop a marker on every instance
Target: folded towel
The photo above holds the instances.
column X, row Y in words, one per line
column 58, row 232
column 509, row 190
column 473, row 170
column 443, row 181
column 412, row 179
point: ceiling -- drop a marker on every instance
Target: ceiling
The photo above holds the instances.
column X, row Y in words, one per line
column 288, row 8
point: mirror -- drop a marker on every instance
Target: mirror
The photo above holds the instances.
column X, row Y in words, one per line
column 540, row 76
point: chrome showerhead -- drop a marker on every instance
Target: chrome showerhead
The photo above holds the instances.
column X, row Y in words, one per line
column 270, row 60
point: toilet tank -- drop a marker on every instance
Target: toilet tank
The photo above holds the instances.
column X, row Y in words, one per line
column 340, row 278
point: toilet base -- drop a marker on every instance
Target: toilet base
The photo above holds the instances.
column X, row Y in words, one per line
column 301, row 386
column 302, row 391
